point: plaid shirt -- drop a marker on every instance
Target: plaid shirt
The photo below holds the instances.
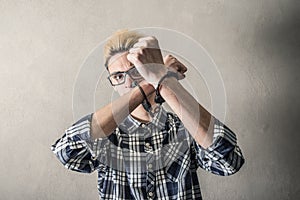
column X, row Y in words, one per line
column 157, row 160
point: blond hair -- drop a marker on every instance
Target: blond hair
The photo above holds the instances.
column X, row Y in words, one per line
column 119, row 42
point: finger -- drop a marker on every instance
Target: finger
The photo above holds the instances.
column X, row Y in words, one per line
column 167, row 57
column 169, row 60
column 149, row 42
column 183, row 68
column 147, row 38
column 141, row 54
column 173, row 64
column 140, row 44
column 179, row 66
column 133, row 58
column 136, row 50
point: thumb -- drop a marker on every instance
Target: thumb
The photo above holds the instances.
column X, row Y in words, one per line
column 134, row 60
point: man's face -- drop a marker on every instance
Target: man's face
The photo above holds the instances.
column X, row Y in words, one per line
column 119, row 63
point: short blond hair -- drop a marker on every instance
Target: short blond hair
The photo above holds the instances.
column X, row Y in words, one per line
column 120, row 41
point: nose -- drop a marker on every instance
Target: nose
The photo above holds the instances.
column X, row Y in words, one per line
column 129, row 82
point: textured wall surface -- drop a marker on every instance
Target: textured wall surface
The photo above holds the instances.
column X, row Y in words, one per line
column 255, row 45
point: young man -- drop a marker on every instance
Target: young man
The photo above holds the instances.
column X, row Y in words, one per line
column 140, row 150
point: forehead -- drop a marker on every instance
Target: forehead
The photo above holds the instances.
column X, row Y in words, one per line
column 119, row 62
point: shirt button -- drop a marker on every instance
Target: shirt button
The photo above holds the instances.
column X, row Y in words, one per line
column 152, row 182
column 150, row 166
column 143, row 125
column 147, row 144
column 150, row 194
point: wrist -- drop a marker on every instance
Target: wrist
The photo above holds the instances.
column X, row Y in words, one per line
column 167, row 85
column 147, row 87
column 170, row 75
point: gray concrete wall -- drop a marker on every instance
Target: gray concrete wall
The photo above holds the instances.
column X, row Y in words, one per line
column 255, row 45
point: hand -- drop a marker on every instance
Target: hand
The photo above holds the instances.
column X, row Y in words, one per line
column 174, row 65
column 147, row 58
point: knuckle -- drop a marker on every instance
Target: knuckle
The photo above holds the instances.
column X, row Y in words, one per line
column 152, row 38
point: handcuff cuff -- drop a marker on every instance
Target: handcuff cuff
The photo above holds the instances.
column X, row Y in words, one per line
column 158, row 98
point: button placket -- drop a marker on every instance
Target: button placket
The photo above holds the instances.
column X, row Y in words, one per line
column 150, row 189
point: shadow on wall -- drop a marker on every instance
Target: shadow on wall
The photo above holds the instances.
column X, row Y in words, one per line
column 280, row 32
column 278, row 43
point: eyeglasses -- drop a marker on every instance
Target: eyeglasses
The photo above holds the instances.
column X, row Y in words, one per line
column 118, row 78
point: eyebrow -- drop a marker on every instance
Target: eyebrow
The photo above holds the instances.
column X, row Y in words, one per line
column 114, row 73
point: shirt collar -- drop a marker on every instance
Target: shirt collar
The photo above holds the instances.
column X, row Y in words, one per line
column 130, row 124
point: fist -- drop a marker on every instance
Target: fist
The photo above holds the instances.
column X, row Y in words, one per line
column 147, row 58
column 174, row 65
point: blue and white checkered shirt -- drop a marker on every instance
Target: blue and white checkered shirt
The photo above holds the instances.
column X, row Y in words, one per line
column 157, row 160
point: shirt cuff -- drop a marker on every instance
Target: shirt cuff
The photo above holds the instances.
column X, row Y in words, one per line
column 94, row 146
column 224, row 141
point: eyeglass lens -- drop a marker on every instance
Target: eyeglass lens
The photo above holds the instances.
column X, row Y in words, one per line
column 120, row 77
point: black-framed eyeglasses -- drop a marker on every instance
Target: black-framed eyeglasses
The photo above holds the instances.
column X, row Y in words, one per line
column 119, row 78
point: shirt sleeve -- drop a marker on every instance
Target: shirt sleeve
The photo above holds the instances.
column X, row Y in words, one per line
column 77, row 151
column 223, row 157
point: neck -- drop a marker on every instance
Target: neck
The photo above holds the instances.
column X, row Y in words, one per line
column 141, row 114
